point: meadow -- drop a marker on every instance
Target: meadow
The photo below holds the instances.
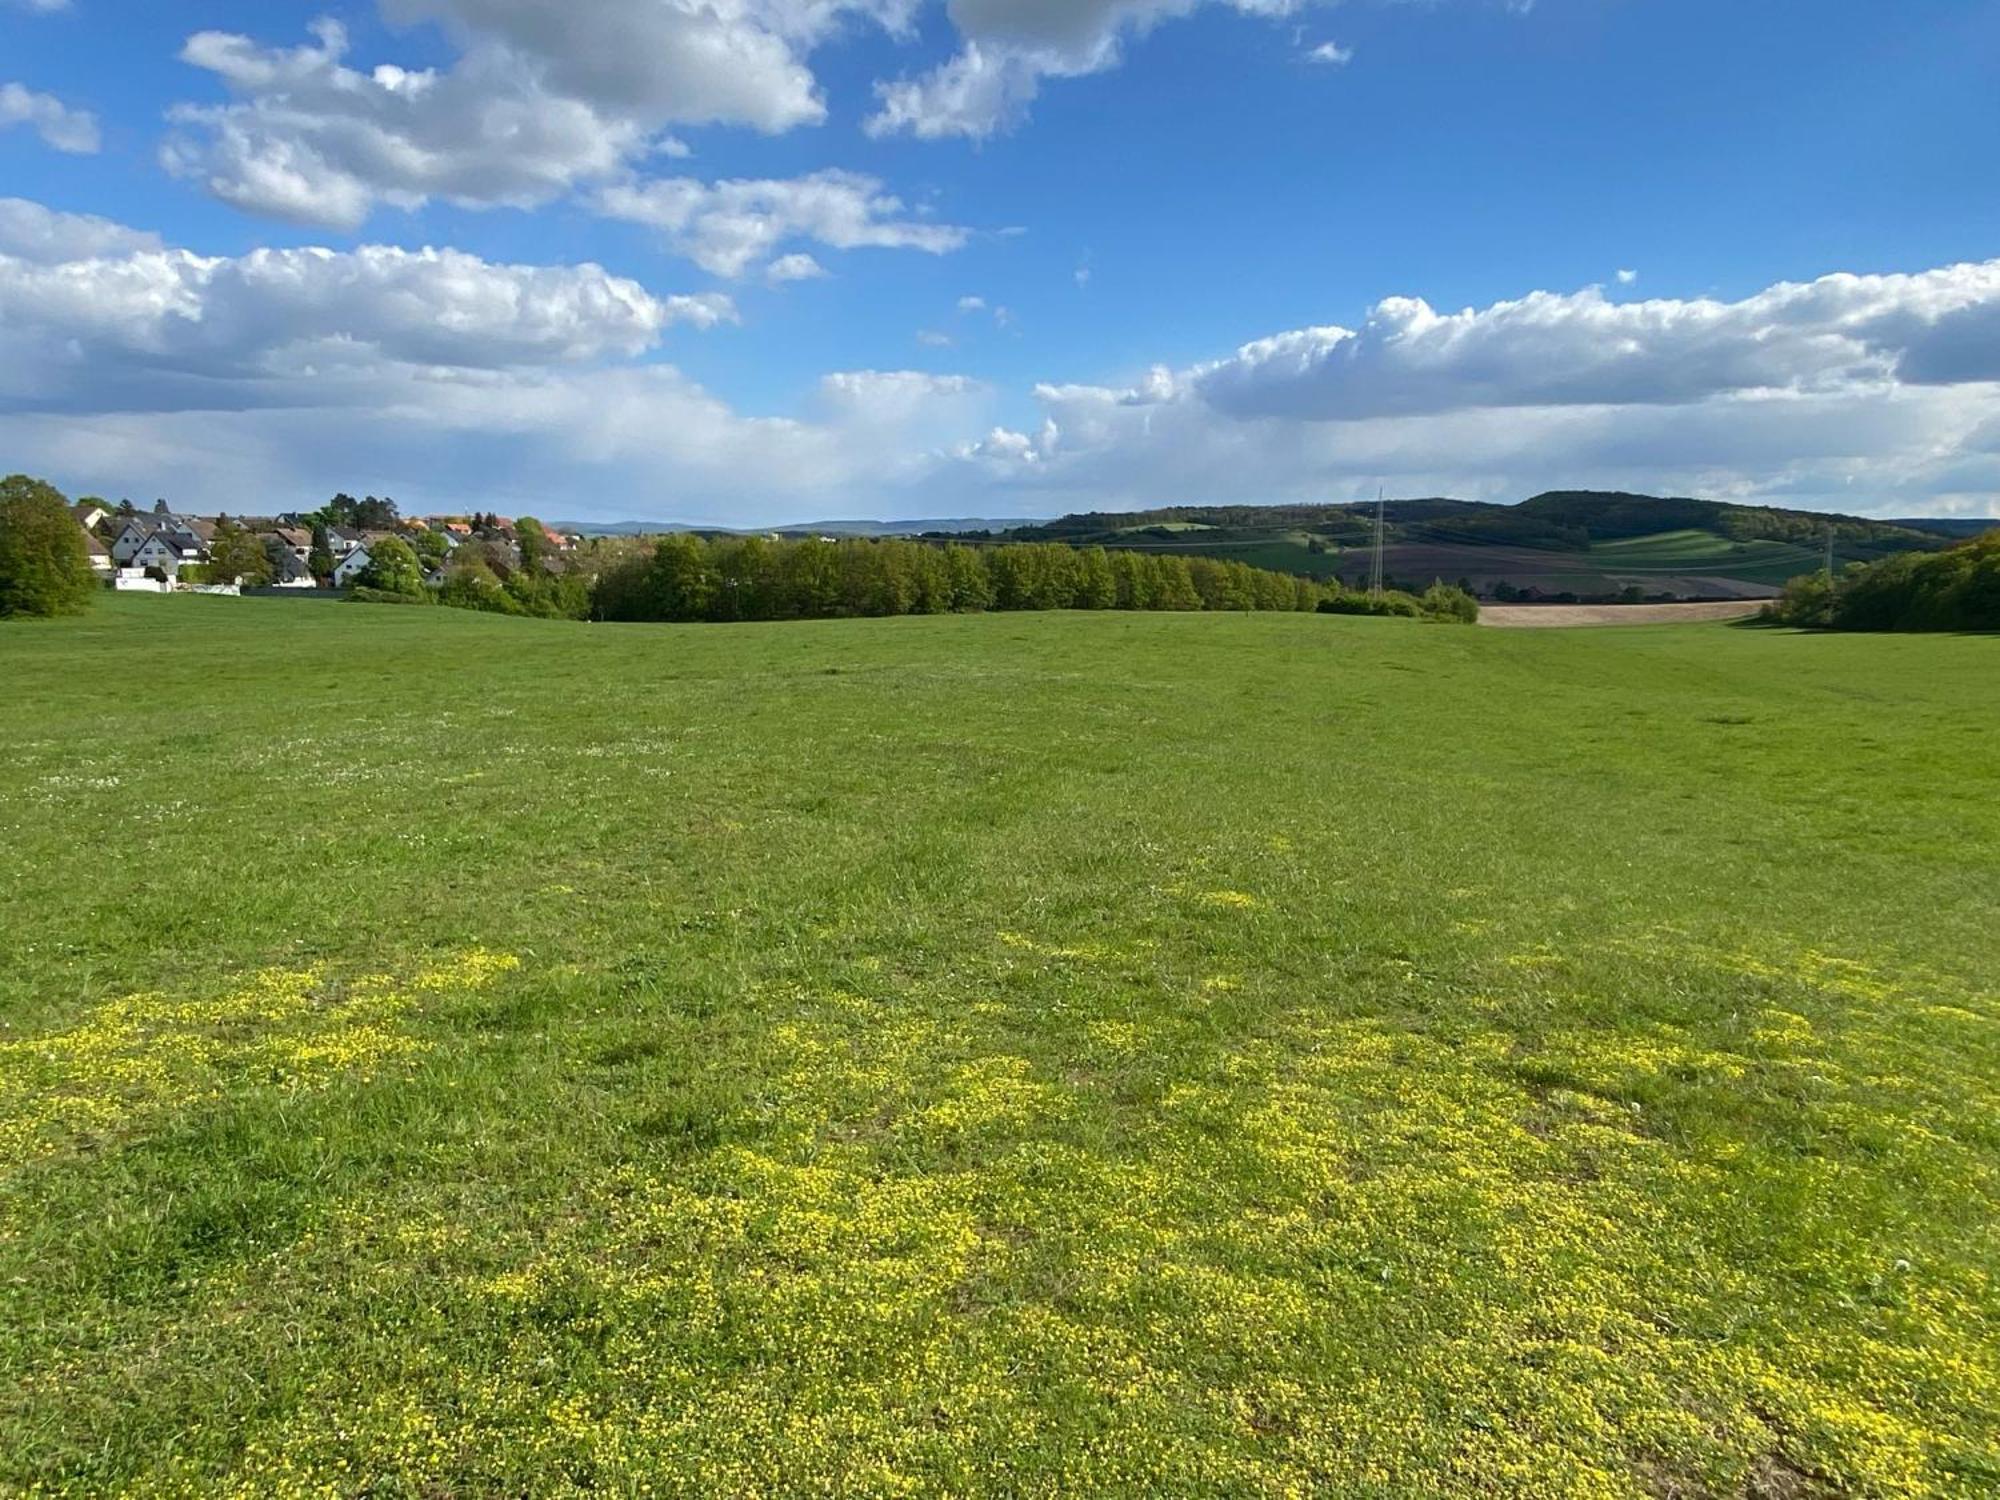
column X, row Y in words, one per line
column 1083, row 1053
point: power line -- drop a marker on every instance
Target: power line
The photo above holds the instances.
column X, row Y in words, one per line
column 1375, row 585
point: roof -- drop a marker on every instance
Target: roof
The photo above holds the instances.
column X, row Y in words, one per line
column 93, row 546
column 293, row 536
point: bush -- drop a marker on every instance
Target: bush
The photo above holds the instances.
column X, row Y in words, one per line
column 1392, row 602
column 44, row 565
column 1443, row 601
column 362, row 594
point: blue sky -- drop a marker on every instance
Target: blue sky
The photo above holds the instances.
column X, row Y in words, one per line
column 1063, row 253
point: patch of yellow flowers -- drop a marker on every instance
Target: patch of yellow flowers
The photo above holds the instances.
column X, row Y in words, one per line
column 130, row 1058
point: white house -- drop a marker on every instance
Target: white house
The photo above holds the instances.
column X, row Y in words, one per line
column 88, row 513
column 169, row 551
column 129, row 540
column 350, row 568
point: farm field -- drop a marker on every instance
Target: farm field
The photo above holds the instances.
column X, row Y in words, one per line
column 1022, row 1054
column 1695, row 563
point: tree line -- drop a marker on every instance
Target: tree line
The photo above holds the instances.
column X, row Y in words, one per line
column 688, row 578
column 1956, row 589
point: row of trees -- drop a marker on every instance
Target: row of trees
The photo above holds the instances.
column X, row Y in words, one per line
column 1956, row 589
column 752, row 578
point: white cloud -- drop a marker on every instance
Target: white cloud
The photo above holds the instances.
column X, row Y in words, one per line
column 43, row 236
column 971, row 304
column 90, row 311
column 728, row 227
column 61, row 127
column 1549, row 349
column 931, row 338
column 1010, row 46
column 45, row 6
column 539, row 99
column 1330, row 54
column 1627, row 278
column 793, row 268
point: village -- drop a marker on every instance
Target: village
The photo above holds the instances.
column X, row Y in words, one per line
column 297, row 553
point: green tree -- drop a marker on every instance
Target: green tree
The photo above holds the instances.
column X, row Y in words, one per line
column 683, row 584
column 392, row 568
column 533, row 540
column 375, row 515
column 320, row 559
column 971, row 584
column 235, row 554
column 1097, row 585
column 44, row 565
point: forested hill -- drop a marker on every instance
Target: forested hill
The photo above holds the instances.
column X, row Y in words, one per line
column 1563, row 519
column 1566, row 544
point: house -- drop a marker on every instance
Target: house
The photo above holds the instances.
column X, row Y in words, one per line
column 349, row 569
column 460, row 530
column 296, row 540
column 131, row 537
column 289, row 572
column 342, row 540
column 169, row 551
column 100, row 555
column 88, row 513
column 188, row 534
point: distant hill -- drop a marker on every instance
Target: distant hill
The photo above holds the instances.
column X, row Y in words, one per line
column 1952, row 526
column 1563, row 544
column 804, row 528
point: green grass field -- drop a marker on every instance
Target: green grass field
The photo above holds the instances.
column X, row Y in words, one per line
column 1021, row 1054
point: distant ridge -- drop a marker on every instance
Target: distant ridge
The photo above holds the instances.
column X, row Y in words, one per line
column 800, row 528
column 1951, row 526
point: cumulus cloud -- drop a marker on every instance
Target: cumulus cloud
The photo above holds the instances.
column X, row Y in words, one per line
column 1330, row 55
column 1551, row 349
column 728, row 227
column 795, row 267
column 61, row 127
column 1010, row 46
column 538, row 100
column 88, row 307
column 33, row 233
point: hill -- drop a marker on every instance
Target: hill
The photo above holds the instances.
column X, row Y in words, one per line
column 803, row 528
column 1578, row 544
column 1019, row 1054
